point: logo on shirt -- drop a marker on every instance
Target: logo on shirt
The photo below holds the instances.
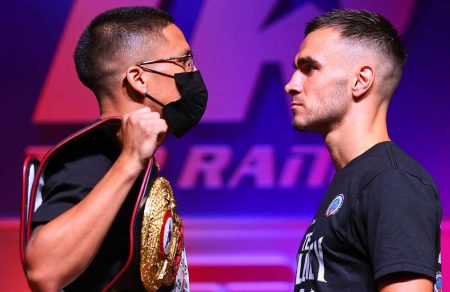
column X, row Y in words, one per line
column 335, row 205
column 310, row 261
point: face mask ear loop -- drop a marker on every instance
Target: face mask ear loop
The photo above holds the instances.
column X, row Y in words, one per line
column 153, row 99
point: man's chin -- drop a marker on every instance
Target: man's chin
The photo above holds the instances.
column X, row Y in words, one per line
column 305, row 127
column 300, row 127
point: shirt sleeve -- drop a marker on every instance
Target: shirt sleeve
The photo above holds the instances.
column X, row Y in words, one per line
column 66, row 184
column 403, row 225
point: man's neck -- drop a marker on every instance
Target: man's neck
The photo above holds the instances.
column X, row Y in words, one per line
column 355, row 136
column 113, row 106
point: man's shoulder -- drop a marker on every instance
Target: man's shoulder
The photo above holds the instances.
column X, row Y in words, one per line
column 407, row 163
column 384, row 160
column 400, row 161
column 92, row 147
column 99, row 136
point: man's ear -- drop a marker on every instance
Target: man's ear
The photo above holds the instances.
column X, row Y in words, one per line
column 363, row 81
column 137, row 79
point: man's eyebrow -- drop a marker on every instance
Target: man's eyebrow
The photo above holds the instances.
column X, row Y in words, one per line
column 306, row 61
column 183, row 53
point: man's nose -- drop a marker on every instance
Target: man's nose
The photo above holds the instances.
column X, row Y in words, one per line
column 294, row 86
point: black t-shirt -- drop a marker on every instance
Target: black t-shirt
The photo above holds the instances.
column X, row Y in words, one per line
column 381, row 215
column 70, row 175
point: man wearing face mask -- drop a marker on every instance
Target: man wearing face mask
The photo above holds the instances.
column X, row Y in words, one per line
column 140, row 67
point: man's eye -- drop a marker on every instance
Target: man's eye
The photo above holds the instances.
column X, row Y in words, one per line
column 308, row 69
column 183, row 60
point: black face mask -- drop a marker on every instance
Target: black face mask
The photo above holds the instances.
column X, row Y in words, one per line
column 183, row 114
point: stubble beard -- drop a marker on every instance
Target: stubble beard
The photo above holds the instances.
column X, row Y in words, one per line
column 321, row 117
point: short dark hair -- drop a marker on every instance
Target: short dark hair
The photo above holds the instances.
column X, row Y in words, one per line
column 367, row 28
column 114, row 34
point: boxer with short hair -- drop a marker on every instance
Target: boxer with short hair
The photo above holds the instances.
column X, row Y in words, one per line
column 140, row 67
column 378, row 225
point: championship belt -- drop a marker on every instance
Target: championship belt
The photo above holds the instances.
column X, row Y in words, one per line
column 155, row 259
column 162, row 237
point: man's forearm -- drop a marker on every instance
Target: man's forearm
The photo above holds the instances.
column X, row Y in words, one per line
column 405, row 282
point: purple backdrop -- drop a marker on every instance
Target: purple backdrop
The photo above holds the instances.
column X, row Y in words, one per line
column 244, row 159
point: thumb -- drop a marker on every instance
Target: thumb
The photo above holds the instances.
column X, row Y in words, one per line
column 122, row 128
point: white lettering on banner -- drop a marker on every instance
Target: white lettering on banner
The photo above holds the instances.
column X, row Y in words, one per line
column 260, row 163
column 306, row 260
column 320, row 166
column 205, row 167
column 210, row 161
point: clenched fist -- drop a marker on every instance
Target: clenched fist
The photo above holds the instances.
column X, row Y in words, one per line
column 141, row 133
